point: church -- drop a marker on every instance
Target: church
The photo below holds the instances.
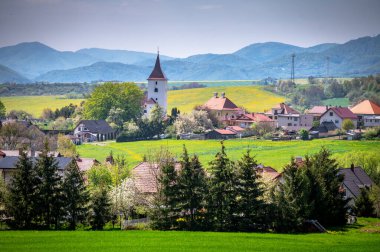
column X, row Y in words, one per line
column 157, row 89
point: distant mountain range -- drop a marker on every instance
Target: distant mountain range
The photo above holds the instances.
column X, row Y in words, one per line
column 31, row 62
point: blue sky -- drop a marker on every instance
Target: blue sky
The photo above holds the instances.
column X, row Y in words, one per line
column 182, row 28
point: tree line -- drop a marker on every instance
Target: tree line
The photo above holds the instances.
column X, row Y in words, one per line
column 232, row 197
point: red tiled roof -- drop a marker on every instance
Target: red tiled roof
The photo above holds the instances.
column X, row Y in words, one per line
column 145, row 176
column 85, row 164
column 317, row 110
column 150, row 101
column 286, row 109
column 235, row 128
column 220, row 103
column 366, row 107
column 342, row 112
column 255, row 117
column 157, row 73
column 225, row 132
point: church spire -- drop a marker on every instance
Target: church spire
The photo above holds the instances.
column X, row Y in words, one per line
column 157, row 73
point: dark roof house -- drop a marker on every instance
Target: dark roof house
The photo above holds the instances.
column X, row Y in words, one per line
column 355, row 179
column 97, row 126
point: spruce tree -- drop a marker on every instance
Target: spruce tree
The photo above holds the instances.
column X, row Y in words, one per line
column 165, row 211
column 22, row 193
column 326, row 200
column 364, row 205
column 222, row 194
column 291, row 199
column 250, row 204
column 75, row 195
column 50, row 195
column 100, row 208
column 192, row 189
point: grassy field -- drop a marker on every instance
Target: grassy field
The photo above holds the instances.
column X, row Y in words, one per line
column 35, row 104
column 275, row 154
column 363, row 236
column 253, row 98
column 344, row 102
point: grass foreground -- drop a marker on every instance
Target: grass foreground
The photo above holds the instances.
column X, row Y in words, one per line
column 275, row 154
column 363, row 236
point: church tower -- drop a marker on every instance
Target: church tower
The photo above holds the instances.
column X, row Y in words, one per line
column 157, row 88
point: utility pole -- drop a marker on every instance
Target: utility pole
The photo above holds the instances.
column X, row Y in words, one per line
column 328, row 67
column 292, row 72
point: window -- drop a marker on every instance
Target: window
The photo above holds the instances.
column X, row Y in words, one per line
column 289, row 124
column 331, row 114
column 295, row 119
column 336, row 121
column 156, row 99
column 156, row 90
column 145, row 111
column 275, row 118
column 156, row 82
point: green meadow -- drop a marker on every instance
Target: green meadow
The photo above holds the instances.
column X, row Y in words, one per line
column 275, row 154
column 363, row 236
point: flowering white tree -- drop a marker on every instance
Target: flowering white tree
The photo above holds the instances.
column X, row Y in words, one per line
column 196, row 121
column 126, row 198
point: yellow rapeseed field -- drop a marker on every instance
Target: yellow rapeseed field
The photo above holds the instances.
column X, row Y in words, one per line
column 253, row 98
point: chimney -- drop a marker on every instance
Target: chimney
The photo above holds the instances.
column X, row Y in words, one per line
column 298, row 159
column 352, row 168
column 20, row 151
column 216, row 94
column 327, row 107
column 223, row 94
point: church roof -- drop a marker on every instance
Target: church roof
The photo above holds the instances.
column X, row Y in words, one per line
column 157, row 73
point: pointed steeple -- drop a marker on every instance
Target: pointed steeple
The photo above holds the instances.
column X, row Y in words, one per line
column 157, row 73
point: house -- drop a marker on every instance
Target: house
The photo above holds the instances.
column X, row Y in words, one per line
column 368, row 113
column 246, row 120
column 317, row 112
column 323, row 130
column 337, row 115
column 145, row 176
column 220, row 134
column 281, row 109
column 94, row 130
column 267, row 173
column 157, row 89
column 223, row 108
column 85, row 164
column 8, row 165
column 287, row 118
column 355, row 179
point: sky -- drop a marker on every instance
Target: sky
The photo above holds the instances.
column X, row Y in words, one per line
column 185, row 27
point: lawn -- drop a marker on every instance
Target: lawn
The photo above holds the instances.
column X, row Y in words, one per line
column 275, row 154
column 36, row 104
column 344, row 102
column 253, row 98
column 361, row 237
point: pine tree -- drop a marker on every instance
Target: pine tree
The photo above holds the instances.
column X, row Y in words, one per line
column 222, row 194
column 50, row 195
column 250, row 204
column 22, row 193
column 75, row 195
column 100, row 208
column 192, row 189
column 291, row 199
column 166, row 212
